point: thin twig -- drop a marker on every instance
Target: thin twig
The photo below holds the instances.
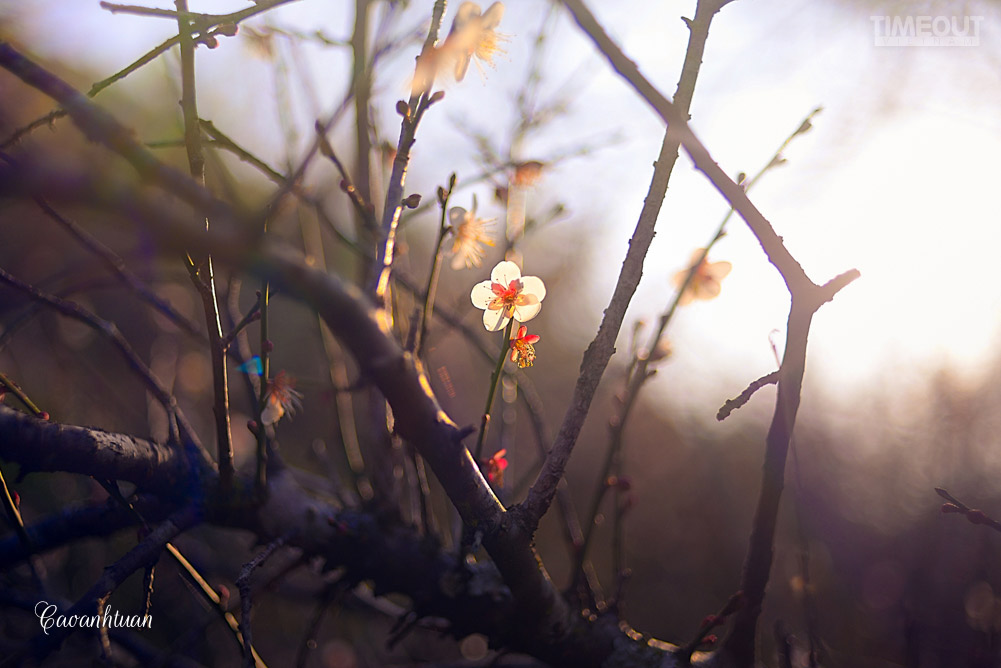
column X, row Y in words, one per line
column 109, row 331
column 599, row 352
column 117, row 266
column 143, row 554
column 975, row 516
column 378, row 283
column 203, row 277
column 731, row 405
column 243, row 583
column 148, row 57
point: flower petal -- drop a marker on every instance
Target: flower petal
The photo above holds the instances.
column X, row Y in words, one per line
column 492, row 17
column 462, row 66
column 456, row 216
column 533, row 285
column 505, row 272
column 467, row 11
column 482, row 294
column 720, row 270
column 272, row 413
column 495, row 321
column 526, row 312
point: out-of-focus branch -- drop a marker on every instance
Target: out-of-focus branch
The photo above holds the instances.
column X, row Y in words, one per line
column 99, row 126
column 145, row 553
column 109, row 331
column 212, row 25
column 542, row 623
column 202, row 273
column 117, row 266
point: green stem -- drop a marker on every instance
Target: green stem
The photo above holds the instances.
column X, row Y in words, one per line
column 262, row 437
column 432, row 286
column 12, row 387
column 494, row 382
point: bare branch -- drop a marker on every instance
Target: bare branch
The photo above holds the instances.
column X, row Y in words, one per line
column 39, row 445
column 598, row 354
column 730, row 405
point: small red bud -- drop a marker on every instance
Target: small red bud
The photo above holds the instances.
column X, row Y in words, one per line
column 403, row 109
column 228, row 29
column 223, row 591
column 43, row 415
column 978, row 517
column 412, row 201
column 710, row 621
column 709, row 640
column 268, row 346
column 16, row 498
column 252, row 426
column 209, row 41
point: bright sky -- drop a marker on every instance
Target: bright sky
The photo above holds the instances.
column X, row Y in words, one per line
column 896, row 179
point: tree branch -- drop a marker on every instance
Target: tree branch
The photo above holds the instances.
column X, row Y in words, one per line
column 598, row 354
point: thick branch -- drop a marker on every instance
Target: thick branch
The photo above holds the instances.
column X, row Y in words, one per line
column 39, row 445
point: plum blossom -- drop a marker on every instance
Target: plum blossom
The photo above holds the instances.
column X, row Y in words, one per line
column 523, row 347
column 495, row 467
column 469, row 237
column 508, row 295
column 281, row 398
column 707, row 280
column 473, row 35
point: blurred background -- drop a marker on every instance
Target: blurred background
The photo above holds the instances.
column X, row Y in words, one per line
column 895, row 179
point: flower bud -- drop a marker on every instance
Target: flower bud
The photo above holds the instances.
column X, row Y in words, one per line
column 412, row 201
